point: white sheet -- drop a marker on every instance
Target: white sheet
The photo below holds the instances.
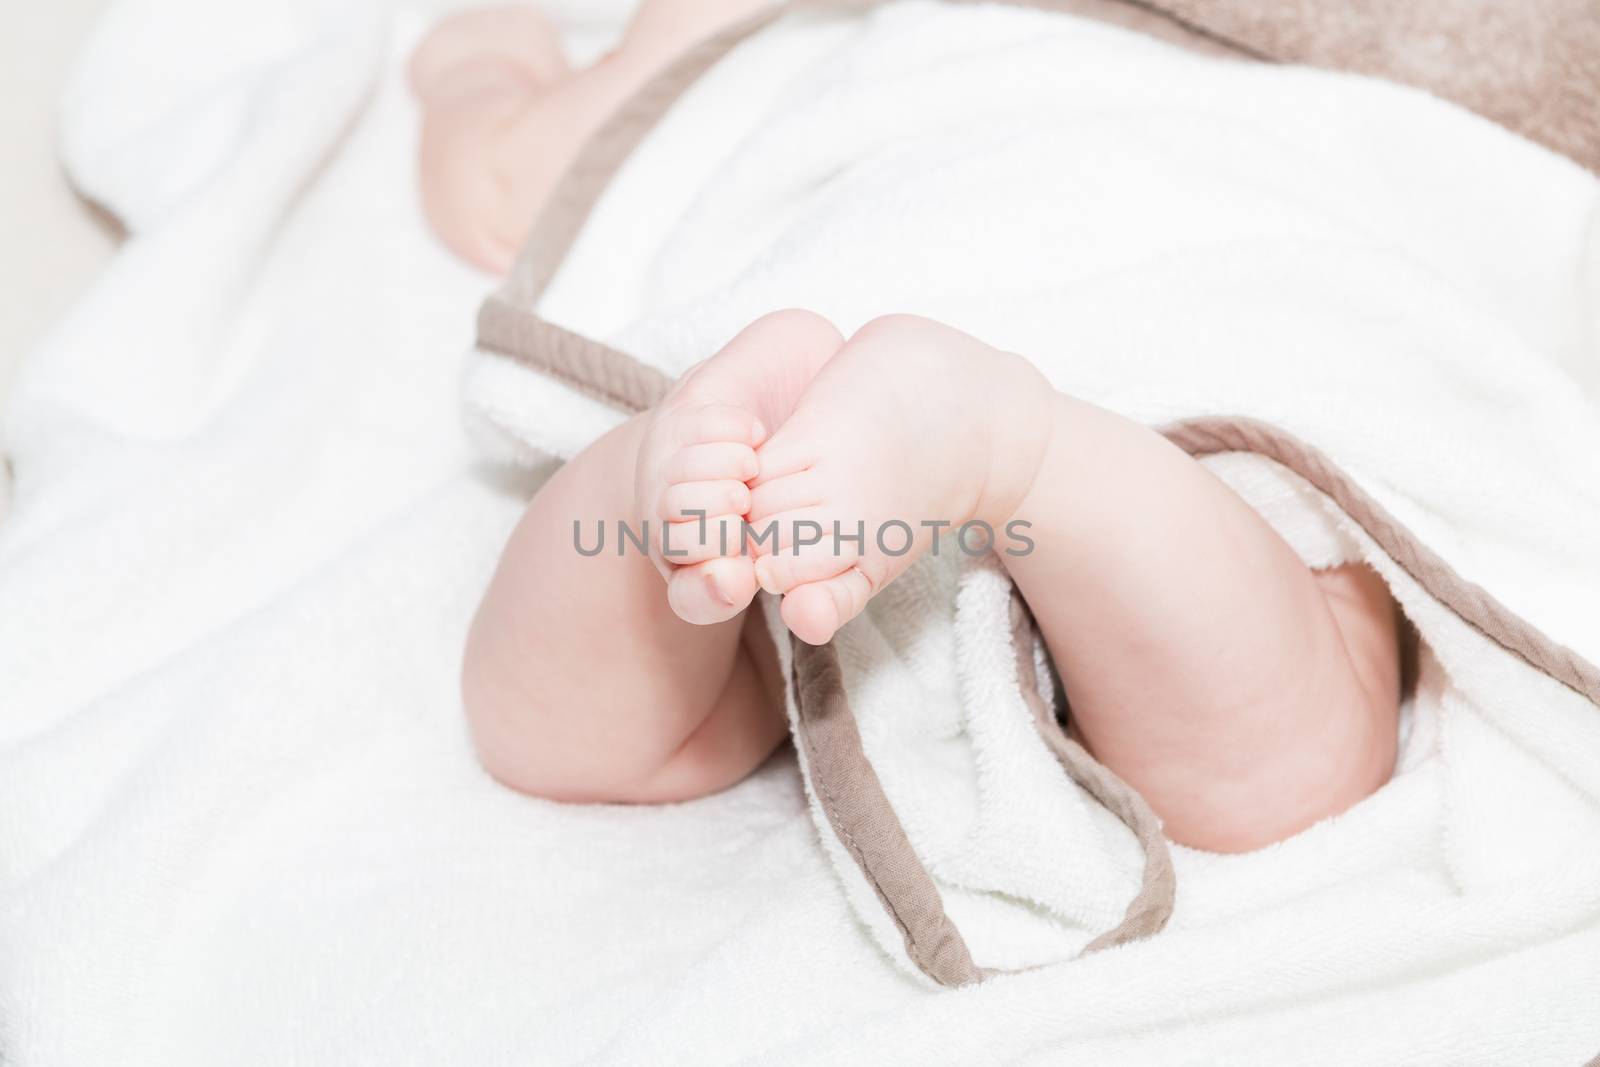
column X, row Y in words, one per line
column 239, row 821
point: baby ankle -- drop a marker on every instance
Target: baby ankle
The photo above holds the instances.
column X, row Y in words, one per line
column 1021, row 426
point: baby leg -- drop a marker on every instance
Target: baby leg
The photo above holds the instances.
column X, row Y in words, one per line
column 589, row 678
column 1243, row 695
column 579, row 681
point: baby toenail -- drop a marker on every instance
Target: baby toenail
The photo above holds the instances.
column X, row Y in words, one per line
column 764, row 575
column 757, row 432
column 714, row 587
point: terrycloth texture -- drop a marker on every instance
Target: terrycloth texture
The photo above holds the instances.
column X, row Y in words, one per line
column 239, row 821
column 1173, row 237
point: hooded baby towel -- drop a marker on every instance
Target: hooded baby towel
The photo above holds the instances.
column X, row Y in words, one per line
column 1312, row 280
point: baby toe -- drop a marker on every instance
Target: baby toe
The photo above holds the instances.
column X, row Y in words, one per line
column 714, row 461
column 711, row 423
column 791, row 493
column 711, row 592
column 789, row 531
column 815, row 611
column 782, row 571
column 698, row 540
column 698, row 500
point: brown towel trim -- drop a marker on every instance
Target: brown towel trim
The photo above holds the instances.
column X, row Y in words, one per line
column 840, row 774
column 851, row 796
column 598, row 370
column 1152, row 906
column 1474, row 604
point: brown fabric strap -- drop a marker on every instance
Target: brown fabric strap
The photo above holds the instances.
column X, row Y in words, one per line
column 856, row 807
column 1152, row 905
column 1473, row 603
column 851, row 796
column 605, row 373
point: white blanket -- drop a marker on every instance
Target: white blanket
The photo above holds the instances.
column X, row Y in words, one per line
column 239, row 820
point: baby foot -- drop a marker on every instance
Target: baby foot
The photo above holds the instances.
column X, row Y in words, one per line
column 698, row 455
column 480, row 77
column 473, row 48
column 911, row 429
